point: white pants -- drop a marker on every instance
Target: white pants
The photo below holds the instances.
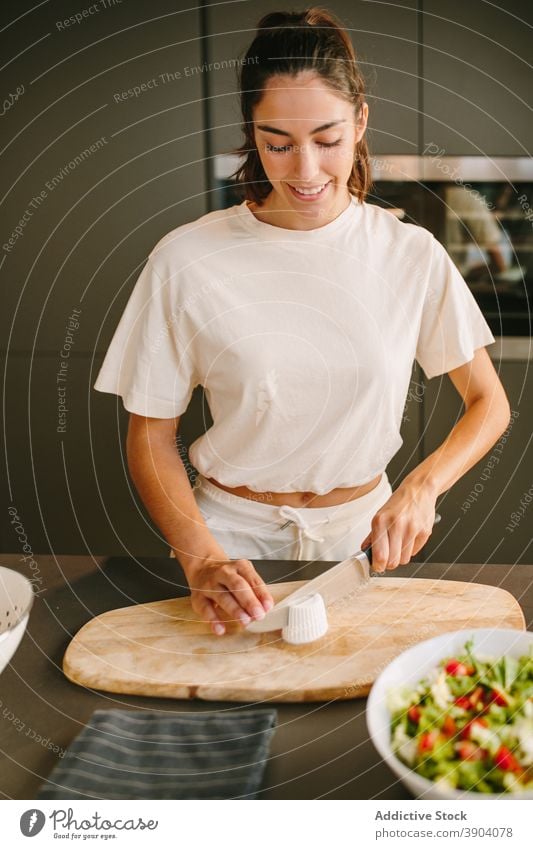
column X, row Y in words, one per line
column 256, row 530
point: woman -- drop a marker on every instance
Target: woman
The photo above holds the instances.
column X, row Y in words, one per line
column 300, row 311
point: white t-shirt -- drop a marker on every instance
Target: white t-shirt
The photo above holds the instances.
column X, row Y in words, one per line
column 304, row 341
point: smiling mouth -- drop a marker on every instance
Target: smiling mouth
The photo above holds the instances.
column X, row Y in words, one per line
column 309, row 191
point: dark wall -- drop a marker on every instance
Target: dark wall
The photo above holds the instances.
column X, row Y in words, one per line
column 100, row 211
column 95, row 174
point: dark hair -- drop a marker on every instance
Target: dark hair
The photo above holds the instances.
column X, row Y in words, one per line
column 289, row 43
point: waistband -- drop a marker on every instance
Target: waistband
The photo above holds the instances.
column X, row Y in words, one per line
column 232, row 506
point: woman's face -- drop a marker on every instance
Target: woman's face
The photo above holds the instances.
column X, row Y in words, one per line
column 305, row 134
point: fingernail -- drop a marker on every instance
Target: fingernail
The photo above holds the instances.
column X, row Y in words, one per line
column 219, row 629
column 268, row 604
column 245, row 619
column 258, row 612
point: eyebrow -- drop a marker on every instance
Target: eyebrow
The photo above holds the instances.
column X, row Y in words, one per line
column 267, row 129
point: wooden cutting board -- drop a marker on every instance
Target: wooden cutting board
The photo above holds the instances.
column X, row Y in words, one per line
column 161, row 649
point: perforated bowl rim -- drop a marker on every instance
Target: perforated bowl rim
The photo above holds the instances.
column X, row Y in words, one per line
column 25, row 608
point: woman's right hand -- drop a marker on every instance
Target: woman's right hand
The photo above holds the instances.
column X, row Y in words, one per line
column 229, row 587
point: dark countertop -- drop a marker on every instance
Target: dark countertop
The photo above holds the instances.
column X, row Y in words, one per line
column 319, row 750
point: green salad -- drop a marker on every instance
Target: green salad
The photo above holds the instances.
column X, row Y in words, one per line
column 469, row 724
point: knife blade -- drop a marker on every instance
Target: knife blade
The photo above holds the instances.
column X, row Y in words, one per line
column 346, row 579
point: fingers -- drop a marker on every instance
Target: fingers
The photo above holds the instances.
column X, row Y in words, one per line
column 403, row 534
column 407, row 549
column 246, row 569
column 217, row 614
column 380, row 543
column 420, row 541
column 395, row 534
column 229, row 604
column 207, row 610
column 231, row 590
column 244, row 602
column 395, row 540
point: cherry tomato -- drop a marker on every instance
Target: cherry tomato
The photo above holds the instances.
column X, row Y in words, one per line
column 449, row 728
column 456, row 667
column 414, row 713
column 427, row 740
column 498, row 698
column 505, row 759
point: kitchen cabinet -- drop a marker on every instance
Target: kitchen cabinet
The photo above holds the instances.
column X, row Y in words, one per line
column 487, row 514
column 476, row 77
column 113, row 134
column 386, row 44
column 385, row 39
column 71, row 489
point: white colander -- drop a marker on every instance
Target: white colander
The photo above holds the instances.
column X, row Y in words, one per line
column 16, row 599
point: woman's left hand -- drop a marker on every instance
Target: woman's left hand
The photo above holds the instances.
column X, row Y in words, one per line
column 401, row 527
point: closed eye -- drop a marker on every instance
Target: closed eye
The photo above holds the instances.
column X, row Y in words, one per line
column 285, row 148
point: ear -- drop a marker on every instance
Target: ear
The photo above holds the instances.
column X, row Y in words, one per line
column 362, row 121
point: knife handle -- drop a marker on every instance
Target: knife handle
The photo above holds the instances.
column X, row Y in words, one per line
column 368, row 551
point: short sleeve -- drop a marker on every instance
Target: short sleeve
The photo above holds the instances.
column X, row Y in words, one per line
column 146, row 363
column 452, row 325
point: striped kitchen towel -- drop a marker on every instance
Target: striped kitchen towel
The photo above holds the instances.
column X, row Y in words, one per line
column 123, row 754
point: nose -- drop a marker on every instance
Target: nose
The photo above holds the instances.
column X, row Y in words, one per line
column 305, row 165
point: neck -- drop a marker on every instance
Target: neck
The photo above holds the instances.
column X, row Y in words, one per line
column 274, row 210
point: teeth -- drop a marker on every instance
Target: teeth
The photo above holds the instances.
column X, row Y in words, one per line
column 309, row 191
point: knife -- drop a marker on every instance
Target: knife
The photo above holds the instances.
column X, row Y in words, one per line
column 344, row 580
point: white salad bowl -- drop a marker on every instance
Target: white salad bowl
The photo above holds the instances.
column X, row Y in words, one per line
column 407, row 670
column 16, row 599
